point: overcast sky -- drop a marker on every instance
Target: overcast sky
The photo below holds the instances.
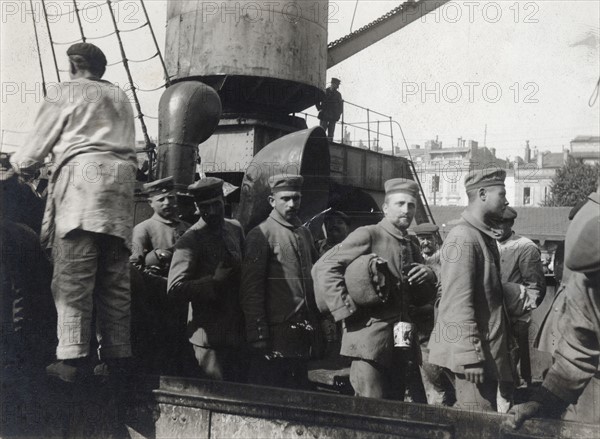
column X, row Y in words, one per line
column 524, row 69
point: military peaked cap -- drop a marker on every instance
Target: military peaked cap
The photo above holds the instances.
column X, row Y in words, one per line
column 337, row 214
column 206, row 190
column 283, row 182
column 161, row 186
column 335, row 81
column 401, row 185
column 425, row 228
column 479, row 178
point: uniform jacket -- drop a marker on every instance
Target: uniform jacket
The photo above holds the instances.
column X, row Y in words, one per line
column 331, row 106
column 89, row 130
column 155, row 233
column 276, row 280
column 521, row 264
column 471, row 325
column 576, row 358
column 214, row 316
column 368, row 332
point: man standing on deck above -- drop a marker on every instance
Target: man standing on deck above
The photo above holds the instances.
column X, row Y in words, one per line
column 471, row 335
column 330, row 108
column 89, row 130
column 277, row 289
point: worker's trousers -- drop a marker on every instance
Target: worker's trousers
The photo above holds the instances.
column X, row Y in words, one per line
column 91, row 269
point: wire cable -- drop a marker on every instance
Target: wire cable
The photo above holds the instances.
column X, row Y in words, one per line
column 51, row 41
column 37, row 45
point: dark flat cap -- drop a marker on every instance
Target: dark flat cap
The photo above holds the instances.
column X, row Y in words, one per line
column 401, row 185
column 285, row 182
column 425, row 228
column 161, row 186
column 478, row 178
column 90, row 52
column 582, row 243
column 509, row 214
column 335, row 81
column 337, row 214
column 206, row 190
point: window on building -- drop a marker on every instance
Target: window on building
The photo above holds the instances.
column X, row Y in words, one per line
column 526, row 195
column 453, row 187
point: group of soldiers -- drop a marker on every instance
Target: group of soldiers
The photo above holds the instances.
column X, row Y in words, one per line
column 434, row 322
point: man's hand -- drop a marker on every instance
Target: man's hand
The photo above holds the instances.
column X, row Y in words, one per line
column 474, row 373
column 221, row 273
column 419, row 274
column 518, row 414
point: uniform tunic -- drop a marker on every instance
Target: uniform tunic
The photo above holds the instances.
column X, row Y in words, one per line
column 368, row 334
column 521, row 264
column 471, row 326
column 214, row 316
column 276, row 279
column 332, row 105
column 156, row 233
column 578, row 353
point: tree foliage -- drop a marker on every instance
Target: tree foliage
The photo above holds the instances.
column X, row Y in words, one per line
column 573, row 183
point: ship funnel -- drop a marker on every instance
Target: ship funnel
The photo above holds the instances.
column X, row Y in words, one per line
column 188, row 113
column 303, row 153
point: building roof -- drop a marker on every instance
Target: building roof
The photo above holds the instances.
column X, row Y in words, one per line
column 538, row 223
column 586, row 139
column 591, row 155
column 553, row 160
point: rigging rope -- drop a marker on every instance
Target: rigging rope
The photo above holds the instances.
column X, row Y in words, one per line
column 353, row 15
column 51, row 41
column 37, row 44
column 79, row 20
column 150, row 89
column 162, row 61
column 143, row 60
column 127, row 70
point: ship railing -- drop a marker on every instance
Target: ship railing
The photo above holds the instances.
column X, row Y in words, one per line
column 367, row 129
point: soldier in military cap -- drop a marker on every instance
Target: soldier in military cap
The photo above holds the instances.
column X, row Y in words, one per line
column 471, row 336
column 205, row 272
column 153, row 239
column 523, row 278
column 337, row 226
column 378, row 369
column 438, row 385
column 277, row 289
column 89, row 130
column 158, row 332
column 571, row 386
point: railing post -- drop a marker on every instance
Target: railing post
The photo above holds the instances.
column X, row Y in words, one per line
column 368, row 129
column 343, row 132
column 377, row 136
column 392, row 136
